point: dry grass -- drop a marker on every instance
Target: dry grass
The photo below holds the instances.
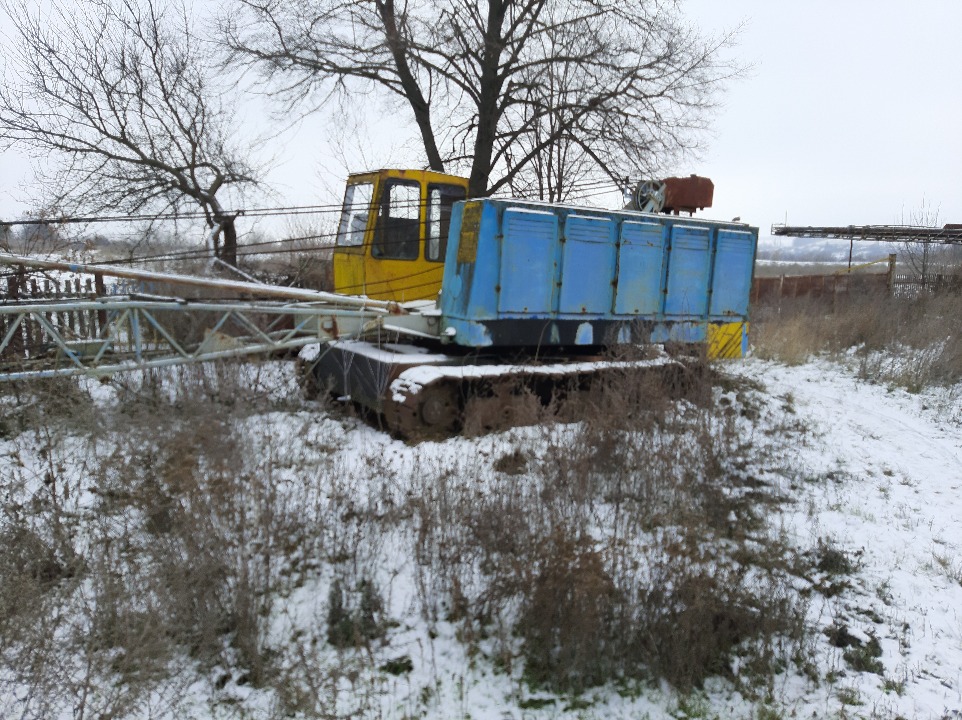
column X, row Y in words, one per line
column 910, row 343
column 576, row 555
column 794, row 269
column 608, row 552
column 141, row 537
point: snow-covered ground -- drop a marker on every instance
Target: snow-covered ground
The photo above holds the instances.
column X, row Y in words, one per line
column 886, row 469
column 872, row 474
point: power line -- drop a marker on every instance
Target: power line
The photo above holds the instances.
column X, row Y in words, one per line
column 201, row 252
column 601, row 186
column 243, row 212
column 253, row 212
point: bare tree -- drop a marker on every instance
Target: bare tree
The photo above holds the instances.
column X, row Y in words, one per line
column 933, row 264
column 543, row 137
column 120, row 95
column 500, row 90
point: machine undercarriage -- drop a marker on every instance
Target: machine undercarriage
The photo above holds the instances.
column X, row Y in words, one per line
column 419, row 392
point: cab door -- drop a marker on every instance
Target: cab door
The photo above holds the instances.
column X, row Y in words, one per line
column 394, row 268
column 353, row 228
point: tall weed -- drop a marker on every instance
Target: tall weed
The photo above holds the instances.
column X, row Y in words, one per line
column 912, row 343
column 620, row 537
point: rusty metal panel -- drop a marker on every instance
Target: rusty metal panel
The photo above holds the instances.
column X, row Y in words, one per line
column 688, row 194
column 470, row 227
column 821, row 288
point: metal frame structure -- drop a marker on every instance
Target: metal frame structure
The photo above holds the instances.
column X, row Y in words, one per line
column 140, row 334
column 949, row 234
column 99, row 336
column 255, row 289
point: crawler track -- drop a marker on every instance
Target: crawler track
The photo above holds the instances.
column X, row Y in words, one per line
column 427, row 395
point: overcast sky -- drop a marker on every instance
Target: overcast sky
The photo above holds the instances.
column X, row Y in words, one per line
column 850, row 115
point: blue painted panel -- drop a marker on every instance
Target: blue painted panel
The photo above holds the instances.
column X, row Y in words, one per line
column 732, row 277
column 688, row 271
column 469, row 288
column 516, row 268
column 588, row 266
column 585, row 334
column 454, row 296
column 529, row 261
column 484, row 282
column 640, row 269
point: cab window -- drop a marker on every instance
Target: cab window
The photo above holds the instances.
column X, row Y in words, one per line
column 440, row 200
column 396, row 235
column 357, row 205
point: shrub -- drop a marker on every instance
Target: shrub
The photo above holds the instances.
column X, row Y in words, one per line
column 354, row 621
column 623, row 546
column 591, row 566
column 139, row 530
column 566, row 619
column 694, row 617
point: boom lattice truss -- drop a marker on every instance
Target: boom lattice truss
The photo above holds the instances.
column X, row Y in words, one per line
column 103, row 335
column 949, row 234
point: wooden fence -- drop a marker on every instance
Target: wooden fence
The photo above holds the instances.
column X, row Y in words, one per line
column 18, row 287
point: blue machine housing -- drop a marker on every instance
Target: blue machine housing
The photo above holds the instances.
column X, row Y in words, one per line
column 521, row 273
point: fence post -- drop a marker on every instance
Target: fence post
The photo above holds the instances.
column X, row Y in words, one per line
column 101, row 290
column 17, row 284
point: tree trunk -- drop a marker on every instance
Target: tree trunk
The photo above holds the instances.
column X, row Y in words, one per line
column 483, row 149
column 488, row 101
column 229, row 250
